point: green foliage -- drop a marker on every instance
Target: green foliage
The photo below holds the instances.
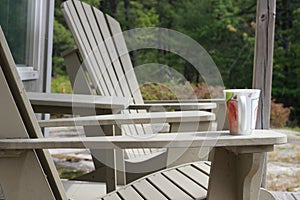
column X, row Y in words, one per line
column 172, row 91
column 61, row 84
column 69, row 173
column 295, row 129
column 62, row 40
column 138, row 16
column 286, row 73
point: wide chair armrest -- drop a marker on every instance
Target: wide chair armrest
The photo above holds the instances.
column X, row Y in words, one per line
column 217, row 101
column 133, row 118
column 263, row 138
column 65, row 103
column 203, row 104
column 174, row 106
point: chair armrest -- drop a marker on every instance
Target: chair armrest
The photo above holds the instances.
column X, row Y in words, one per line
column 185, row 101
column 262, row 138
column 65, row 103
column 133, row 118
column 219, row 110
column 174, row 106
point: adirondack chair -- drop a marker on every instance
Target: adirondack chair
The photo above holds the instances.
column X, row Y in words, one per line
column 114, row 77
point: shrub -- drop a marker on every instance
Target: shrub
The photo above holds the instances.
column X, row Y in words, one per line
column 279, row 115
column 61, row 84
column 172, row 91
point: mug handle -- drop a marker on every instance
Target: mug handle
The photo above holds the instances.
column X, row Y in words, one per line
column 242, row 114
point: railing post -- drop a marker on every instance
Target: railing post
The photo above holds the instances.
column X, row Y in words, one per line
column 263, row 62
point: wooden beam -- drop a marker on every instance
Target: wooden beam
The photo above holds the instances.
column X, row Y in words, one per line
column 263, row 58
column 263, row 63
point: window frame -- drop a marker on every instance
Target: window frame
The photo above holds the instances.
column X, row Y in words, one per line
column 35, row 41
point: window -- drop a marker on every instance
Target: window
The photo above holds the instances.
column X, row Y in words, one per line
column 21, row 23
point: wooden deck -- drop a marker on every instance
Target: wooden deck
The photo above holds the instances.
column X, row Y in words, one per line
column 287, row 195
column 279, row 195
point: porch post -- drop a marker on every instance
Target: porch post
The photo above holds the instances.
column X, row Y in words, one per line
column 263, row 62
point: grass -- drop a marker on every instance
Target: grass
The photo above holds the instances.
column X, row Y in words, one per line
column 293, row 128
column 69, row 173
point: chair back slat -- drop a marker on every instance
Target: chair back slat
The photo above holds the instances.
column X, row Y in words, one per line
column 123, row 54
column 97, row 48
column 129, row 73
column 106, row 45
column 112, row 66
column 77, row 29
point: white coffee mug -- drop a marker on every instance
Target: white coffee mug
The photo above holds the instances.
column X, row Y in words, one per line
column 241, row 110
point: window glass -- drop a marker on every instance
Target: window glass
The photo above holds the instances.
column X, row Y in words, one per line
column 16, row 19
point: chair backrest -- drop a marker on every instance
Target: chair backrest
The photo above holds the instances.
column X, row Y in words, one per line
column 105, row 57
column 102, row 46
column 18, row 121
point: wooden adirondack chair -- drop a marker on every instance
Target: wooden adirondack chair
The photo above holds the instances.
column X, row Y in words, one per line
column 113, row 76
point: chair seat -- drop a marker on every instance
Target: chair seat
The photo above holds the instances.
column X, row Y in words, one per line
column 187, row 181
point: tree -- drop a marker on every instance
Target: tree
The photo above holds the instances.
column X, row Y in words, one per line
column 286, row 73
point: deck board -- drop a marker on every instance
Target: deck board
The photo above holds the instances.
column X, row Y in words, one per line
column 296, row 195
column 186, row 184
column 130, row 193
column 287, row 195
column 148, row 190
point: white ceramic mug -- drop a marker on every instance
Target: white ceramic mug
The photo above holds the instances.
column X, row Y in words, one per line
column 241, row 110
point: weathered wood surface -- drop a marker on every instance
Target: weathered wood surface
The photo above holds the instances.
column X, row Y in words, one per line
column 263, row 63
column 259, row 140
column 134, row 118
column 174, row 106
column 190, row 170
column 165, row 185
column 66, row 103
column 287, row 195
column 219, row 111
column 263, row 58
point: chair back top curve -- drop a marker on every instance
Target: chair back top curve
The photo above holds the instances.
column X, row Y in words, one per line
column 18, row 121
